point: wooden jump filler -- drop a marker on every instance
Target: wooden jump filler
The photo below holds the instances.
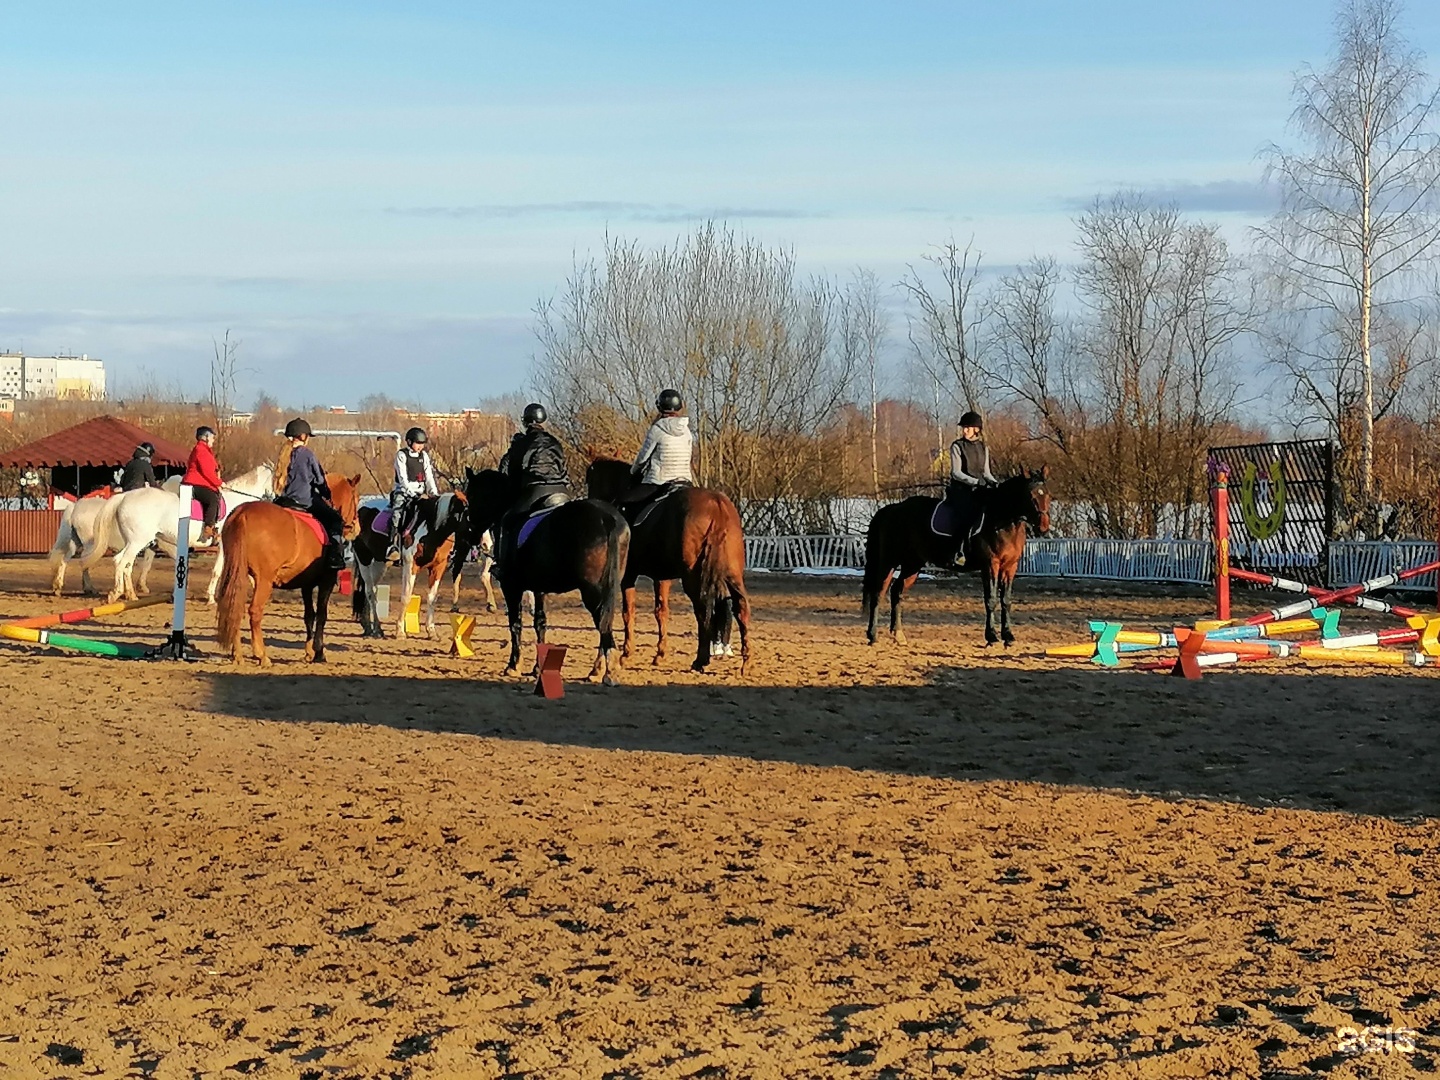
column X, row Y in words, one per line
column 412, row 616
column 549, row 659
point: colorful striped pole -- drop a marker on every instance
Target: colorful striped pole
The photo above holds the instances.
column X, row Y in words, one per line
column 35, row 622
column 79, row 644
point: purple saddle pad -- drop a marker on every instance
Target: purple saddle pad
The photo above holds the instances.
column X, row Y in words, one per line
column 529, row 526
column 381, row 524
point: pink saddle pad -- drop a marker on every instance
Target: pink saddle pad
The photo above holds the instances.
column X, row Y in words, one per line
column 197, row 511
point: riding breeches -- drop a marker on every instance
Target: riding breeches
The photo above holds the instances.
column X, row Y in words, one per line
column 209, row 500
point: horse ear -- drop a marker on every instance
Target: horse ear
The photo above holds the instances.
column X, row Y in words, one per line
column 1044, row 472
column 354, row 480
column 469, row 474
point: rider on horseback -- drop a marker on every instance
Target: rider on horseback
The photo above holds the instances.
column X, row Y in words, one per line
column 414, row 479
column 664, row 456
column 305, row 489
column 969, row 475
column 535, row 467
column 202, row 473
column 138, row 471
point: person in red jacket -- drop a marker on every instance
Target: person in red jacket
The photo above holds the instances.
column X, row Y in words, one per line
column 202, row 473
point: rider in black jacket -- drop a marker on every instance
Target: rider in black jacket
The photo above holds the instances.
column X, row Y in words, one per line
column 535, row 463
column 138, row 471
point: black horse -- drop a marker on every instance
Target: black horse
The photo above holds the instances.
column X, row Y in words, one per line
column 901, row 541
column 578, row 545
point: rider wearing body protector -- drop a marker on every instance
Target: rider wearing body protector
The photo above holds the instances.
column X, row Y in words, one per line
column 969, row 476
column 535, row 466
column 664, row 456
column 305, row 489
column 414, row 479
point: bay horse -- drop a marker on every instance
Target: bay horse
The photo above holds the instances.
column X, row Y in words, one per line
column 277, row 548
column 694, row 536
column 900, row 541
column 582, row 544
column 429, row 548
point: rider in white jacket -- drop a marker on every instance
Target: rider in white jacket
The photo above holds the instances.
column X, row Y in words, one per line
column 414, row 479
column 664, row 456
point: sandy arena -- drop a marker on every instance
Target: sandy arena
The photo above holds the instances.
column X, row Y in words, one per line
column 855, row 862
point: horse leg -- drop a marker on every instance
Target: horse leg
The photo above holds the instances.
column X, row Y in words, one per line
column 662, row 620
column 876, row 582
column 1007, row 578
column 486, row 562
column 987, row 581
column 597, row 603
column 124, row 563
column 455, row 593
column 258, row 600
column 308, row 595
column 147, row 560
column 901, row 582
column 704, row 620
column 539, row 621
column 322, row 610
column 436, row 571
column 627, row 596
column 215, row 575
column 513, row 613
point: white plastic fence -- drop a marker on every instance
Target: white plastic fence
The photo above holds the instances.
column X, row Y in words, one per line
column 1180, row 561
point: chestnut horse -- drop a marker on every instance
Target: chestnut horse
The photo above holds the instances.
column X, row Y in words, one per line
column 693, row 536
column 580, row 545
column 275, row 548
column 901, row 541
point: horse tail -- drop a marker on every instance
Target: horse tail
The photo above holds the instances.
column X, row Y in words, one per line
column 104, row 527
column 617, row 532
column 358, row 606
column 714, row 576
column 67, row 543
column 234, row 581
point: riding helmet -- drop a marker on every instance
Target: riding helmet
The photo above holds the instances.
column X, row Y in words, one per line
column 534, row 414
column 296, row 428
column 972, row 419
column 147, row 448
column 201, row 432
column 416, row 435
column 669, row 401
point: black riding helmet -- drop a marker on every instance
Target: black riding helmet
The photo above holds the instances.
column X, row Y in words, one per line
column 146, row 448
column 416, row 436
column 534, row 414
column 972, row 419
column 669, row 401
column 201, row 432
column 296, row 428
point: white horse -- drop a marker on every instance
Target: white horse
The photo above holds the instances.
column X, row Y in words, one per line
column 76, row 536
column 137, row 519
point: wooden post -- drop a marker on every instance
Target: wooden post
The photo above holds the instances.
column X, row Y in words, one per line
column 1220, row 512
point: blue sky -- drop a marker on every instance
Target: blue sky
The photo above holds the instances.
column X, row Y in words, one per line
column 372, row 197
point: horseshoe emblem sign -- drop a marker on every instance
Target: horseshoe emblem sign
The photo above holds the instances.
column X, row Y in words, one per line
column 1263, row 528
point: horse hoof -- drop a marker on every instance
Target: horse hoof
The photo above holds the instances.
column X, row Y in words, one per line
column 610, row 680
column 491, row 608
column 265, row 664
column 318, row 658
column 512, row 671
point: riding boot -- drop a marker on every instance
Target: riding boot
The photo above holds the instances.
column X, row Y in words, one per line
column 335, row 554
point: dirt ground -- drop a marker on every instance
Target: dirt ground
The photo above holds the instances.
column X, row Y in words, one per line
column 854, row 862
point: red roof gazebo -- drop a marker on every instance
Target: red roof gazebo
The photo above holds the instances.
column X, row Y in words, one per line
column 84, row 457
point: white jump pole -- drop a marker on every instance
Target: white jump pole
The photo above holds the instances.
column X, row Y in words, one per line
column 177, row 648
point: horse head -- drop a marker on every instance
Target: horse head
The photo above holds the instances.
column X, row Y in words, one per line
column 1023, row 498
column 476, row 510
column 608, row 479
column 345, row 498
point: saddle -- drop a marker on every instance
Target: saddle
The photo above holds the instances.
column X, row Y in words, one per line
column 947, row 518
column 536, row 516
column 636, row 513
column 312, row 522
column 197, row 511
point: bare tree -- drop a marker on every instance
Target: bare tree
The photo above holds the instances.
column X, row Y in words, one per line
column 224, row 375
column 946, row 325
column 1360, row 216
column 865, row 330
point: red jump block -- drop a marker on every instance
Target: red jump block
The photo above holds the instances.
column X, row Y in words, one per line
column 549, row 659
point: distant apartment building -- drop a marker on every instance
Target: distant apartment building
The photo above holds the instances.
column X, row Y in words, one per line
column 30, row 378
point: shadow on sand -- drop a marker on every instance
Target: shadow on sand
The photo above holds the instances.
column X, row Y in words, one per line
column 1315, row 741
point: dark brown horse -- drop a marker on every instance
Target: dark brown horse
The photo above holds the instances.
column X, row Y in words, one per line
column 693, row 536
column 276, row 548
column 579, row 545
column 901, row 541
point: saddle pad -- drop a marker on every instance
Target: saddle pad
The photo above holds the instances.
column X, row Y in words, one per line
column 529, row 526
column 197, row 511
column 943, row 520
column 381, row 522
column 315, row 526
